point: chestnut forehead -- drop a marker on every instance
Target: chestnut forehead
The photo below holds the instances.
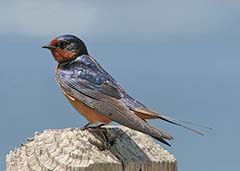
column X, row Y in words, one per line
column 54, row 41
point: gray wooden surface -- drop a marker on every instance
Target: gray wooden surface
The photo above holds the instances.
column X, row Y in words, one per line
column 106, row 149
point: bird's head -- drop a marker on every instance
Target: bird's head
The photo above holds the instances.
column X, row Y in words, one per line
column 66, row 47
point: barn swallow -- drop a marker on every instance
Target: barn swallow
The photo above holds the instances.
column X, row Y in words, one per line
column 96, row 94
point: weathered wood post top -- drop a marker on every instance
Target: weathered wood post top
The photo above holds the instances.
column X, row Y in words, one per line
column 107, row 149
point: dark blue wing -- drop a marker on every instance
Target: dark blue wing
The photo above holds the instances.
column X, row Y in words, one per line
column 86, row 75
column 85, row 80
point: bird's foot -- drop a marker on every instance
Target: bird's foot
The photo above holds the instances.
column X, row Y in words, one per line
column 97, row 126
column 87, row 126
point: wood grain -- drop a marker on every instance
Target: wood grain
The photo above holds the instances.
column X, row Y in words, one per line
column 106, row 149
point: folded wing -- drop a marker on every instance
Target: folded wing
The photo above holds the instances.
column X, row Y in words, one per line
column 104, row 97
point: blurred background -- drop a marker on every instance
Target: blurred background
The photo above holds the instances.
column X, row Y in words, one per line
column 177, row 57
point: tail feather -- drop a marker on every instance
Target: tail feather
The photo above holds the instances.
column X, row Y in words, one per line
column 187, row 122
column 167, row 119
column 156, row 133
column 161, row 140
column 145, row 113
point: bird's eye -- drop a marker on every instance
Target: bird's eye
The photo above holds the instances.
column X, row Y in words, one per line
column 62, row 44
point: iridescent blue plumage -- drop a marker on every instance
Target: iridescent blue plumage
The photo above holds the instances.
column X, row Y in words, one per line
column 85, row 68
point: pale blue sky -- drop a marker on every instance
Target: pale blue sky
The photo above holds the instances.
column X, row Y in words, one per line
column 177, row 57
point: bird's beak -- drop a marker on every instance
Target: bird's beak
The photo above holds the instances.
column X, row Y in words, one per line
column 49, row 47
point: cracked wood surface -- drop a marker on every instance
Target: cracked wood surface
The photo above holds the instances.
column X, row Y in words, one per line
column 107, row 149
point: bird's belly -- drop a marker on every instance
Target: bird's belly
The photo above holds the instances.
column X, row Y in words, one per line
column 90, row 114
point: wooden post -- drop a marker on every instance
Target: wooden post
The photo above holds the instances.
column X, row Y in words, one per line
column 107, row 149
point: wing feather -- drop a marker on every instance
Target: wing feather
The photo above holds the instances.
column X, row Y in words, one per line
column 113, row 109
column 86, row 81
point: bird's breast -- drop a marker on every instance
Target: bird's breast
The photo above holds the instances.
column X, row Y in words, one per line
column 90, row 114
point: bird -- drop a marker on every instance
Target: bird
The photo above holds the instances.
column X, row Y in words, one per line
column 96, row 95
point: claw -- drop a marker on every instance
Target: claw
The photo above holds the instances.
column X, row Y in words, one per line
column 85, row 127
column 97, row 126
